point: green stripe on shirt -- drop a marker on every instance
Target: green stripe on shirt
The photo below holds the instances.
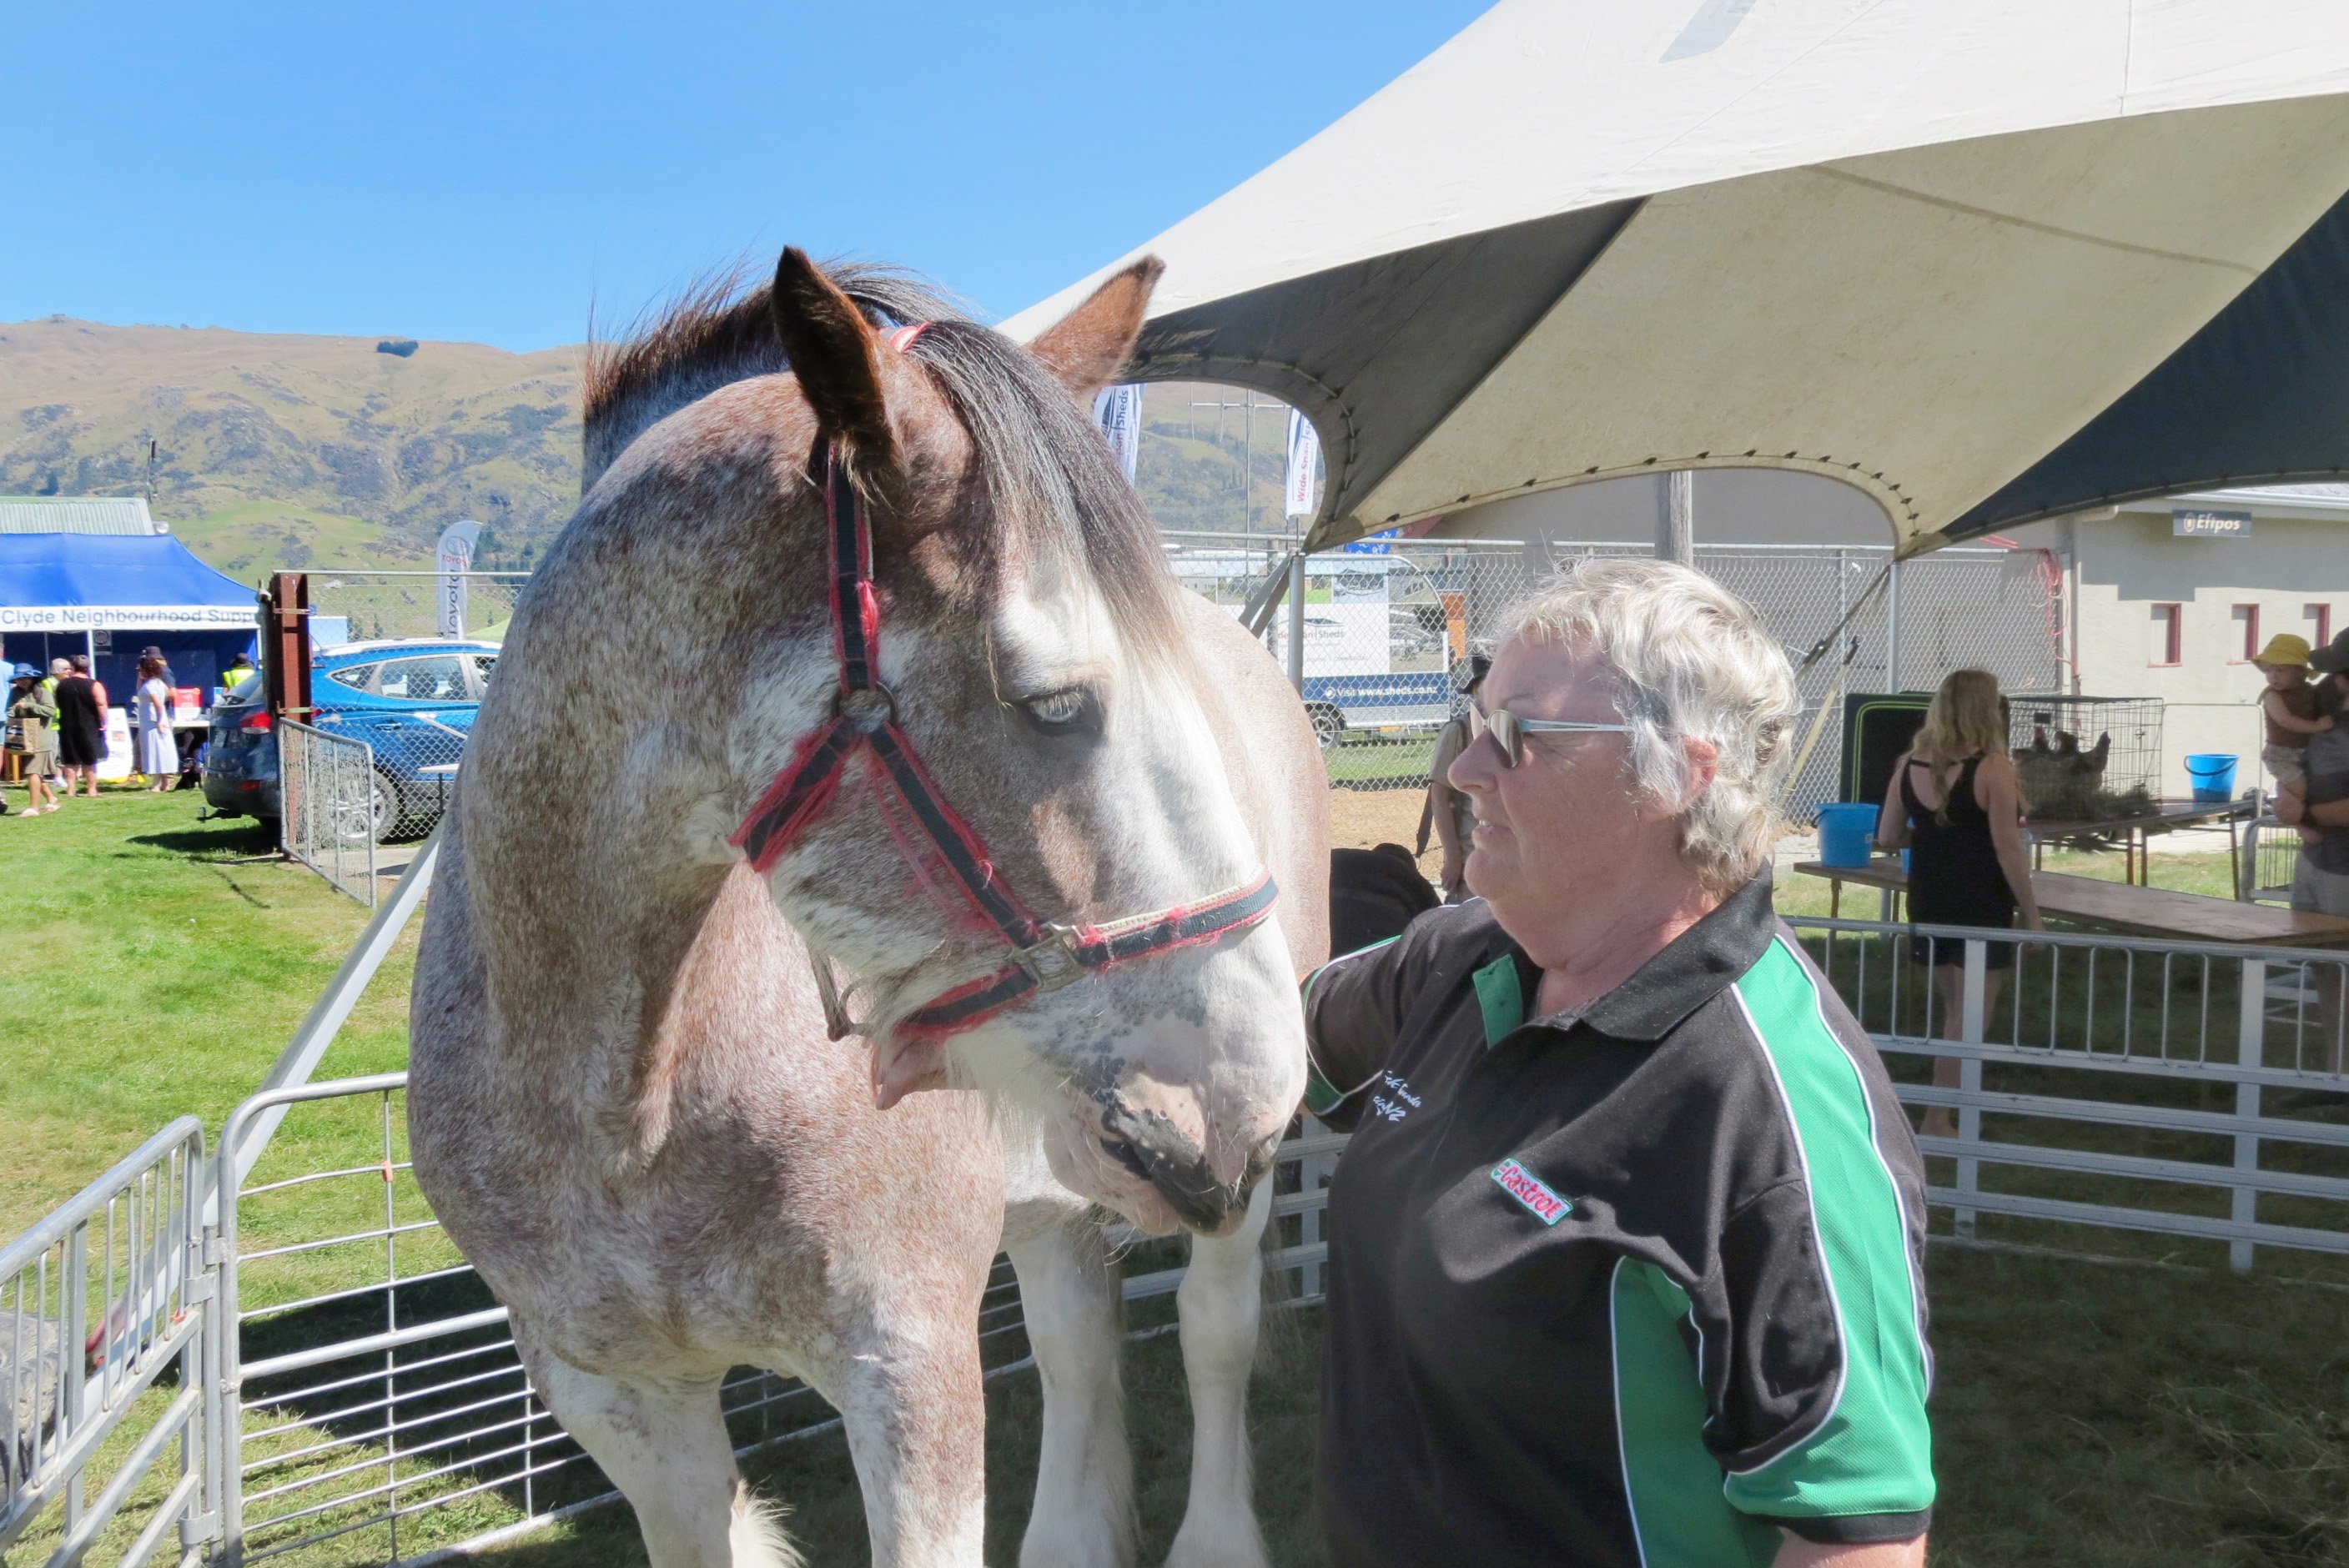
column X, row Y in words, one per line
column 1873, row 1452
column 1670, row 1480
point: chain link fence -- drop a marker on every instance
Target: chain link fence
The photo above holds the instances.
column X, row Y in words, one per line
column 1385, row 633
column 383, row 606
column 333, row 806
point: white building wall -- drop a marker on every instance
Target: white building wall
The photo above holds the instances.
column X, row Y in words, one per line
column 2121, row 568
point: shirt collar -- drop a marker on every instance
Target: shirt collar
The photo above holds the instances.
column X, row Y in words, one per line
column 1693, row 967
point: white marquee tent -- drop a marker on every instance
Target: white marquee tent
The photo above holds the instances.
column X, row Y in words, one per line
column 1987, row 260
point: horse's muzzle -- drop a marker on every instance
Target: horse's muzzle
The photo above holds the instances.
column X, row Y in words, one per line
column 1154, row 1148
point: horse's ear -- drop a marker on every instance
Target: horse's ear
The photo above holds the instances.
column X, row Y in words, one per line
column 836, row 354
column 1088, row 348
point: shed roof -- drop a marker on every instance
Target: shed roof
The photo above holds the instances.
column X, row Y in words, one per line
column 76, row 514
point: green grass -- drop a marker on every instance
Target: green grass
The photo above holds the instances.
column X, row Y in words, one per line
column 2115, row 1414
column 1380, row 762
column 150, row 974
column 2093, row 1417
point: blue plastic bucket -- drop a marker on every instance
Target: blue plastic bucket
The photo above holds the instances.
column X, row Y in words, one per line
column 2212, row 774
column 1846, row 834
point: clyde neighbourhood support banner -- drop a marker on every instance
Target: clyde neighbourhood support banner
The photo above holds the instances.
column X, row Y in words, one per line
column 1118, row 412
column 455, row 558
column 1304, row 456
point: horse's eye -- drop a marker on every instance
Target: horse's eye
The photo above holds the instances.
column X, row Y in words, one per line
column 1061, row 712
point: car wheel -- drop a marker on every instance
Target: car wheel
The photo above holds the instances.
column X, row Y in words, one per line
column 366, row 809
column 1329, row 725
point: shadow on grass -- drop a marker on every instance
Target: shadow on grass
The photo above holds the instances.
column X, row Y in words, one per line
column 217, row 839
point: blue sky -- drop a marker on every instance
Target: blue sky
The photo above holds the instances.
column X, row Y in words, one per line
column 482, row 170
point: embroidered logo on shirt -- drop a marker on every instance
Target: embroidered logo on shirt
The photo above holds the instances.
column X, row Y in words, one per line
column 1530, row 1189
column 1402, row 1103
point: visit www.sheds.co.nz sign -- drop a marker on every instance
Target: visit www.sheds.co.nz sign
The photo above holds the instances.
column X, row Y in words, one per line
column 2187, row 523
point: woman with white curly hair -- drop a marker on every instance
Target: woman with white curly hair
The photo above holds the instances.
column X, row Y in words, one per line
column 1625, row 1253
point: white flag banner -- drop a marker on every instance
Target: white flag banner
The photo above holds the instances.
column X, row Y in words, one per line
column 1118, row 410
column 1304, row 456
column 454, row 559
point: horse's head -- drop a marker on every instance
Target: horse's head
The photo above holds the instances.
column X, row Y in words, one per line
column 962, row 768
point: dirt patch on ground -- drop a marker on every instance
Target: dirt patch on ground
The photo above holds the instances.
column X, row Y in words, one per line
column 1362, row 818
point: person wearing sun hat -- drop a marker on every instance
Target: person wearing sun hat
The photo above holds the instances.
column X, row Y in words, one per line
column 2289, row 707
column 36, row 716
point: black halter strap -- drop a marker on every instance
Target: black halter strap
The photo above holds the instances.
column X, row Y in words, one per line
column 1045, row 957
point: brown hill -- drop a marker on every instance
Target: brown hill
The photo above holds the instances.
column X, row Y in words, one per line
column 276, row 451
column 279, row 450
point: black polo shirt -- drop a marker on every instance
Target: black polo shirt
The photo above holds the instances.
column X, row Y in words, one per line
column 1628, row 1287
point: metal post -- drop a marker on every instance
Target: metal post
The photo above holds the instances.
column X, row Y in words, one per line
column 1969, row 1030
column 1297, row 621
column 2250, row 1051
column 1892, row 630
column 1676, row 522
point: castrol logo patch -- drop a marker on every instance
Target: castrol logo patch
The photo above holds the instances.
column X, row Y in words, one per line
column 1530, row 1189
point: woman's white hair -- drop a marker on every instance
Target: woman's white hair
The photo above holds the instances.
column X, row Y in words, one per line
column 1686, row 660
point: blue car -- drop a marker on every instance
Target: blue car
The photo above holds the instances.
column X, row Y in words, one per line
column 412, row 703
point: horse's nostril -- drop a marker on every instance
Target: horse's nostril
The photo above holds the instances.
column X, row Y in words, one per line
column 1127, row 1155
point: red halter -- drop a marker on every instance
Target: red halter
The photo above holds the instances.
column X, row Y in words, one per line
column 1045, row 955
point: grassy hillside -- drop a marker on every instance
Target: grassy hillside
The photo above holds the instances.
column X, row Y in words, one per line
column 282, row 451
column 277, row 450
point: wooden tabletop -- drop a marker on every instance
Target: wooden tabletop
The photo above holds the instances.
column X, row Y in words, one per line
column 2136, row 911
column 2175, row 811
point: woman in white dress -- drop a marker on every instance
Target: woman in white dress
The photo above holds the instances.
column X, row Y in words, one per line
column 159, row 751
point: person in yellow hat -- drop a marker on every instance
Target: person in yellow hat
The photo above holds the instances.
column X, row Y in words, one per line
column 2291, row 708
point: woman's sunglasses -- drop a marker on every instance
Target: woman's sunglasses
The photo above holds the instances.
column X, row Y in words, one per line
column 1508, row 731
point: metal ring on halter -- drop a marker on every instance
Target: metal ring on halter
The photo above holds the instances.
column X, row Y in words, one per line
column 866, row 708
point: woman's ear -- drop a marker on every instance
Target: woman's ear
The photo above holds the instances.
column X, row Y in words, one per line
column 1703, row 761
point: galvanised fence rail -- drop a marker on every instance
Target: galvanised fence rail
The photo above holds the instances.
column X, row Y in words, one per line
column 333, row 806
column 346, row 1391
column 109, row 1408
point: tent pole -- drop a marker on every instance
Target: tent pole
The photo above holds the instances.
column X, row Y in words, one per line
column 1297, row 621
column 1892, row 632
column 1676, row 522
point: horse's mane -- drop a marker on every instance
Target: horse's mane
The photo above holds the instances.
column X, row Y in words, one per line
column 1047, row 468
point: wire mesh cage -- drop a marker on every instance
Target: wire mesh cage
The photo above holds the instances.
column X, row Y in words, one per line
column 2085, row 758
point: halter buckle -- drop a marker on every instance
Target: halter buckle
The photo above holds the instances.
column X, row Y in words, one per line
column 866, row 708
column 1051, row 962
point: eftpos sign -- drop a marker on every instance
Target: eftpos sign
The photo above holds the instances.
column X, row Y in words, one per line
column 455, row 559
column 2192, row 524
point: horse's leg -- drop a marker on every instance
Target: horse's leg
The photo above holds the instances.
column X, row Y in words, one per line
column 913, row 1400
column 1083, row 1514
column 663, row 1443
column 1220, row 1301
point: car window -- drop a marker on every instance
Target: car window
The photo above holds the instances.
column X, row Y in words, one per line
column 484, row 666
column 354, row 676
column 435, row 677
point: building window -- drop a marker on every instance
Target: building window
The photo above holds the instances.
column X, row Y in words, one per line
column 2166, row 643
column 2246, row 634
column 2320, row 624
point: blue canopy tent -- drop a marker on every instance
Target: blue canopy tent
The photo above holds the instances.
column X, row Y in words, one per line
column 110, row 596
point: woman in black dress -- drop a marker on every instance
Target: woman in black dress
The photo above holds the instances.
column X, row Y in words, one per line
column 1955, row 802
column 81, row 725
